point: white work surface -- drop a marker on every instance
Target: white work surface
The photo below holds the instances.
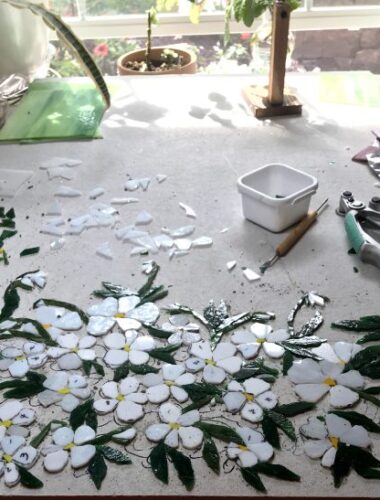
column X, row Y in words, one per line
column 150, row 131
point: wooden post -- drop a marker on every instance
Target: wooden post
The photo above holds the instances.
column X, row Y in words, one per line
column 275, row 99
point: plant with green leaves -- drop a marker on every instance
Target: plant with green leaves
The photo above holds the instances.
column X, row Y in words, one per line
column 8, row 229
column 69, row 39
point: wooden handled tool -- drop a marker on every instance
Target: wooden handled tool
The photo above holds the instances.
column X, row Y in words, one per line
column 292, row 238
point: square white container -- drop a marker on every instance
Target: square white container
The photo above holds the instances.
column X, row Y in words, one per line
column 276, row 196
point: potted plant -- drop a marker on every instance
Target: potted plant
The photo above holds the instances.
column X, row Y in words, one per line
column 156, row 60
column 67, row 37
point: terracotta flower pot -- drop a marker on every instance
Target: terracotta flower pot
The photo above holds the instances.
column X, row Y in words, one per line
column 189, row 62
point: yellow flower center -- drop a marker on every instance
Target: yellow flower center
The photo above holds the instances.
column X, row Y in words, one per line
column 120, row 397
column 64, row 390
column 120, row 315
column 248, row 396
column 329, row 381
column 260, row 341
column 69, row 446
column 127, row 348
column 75, row 349
column 169, row 383
column 20, row 358
column 334, row 441
column 210, row 362
column 6, row 423
column 1, row 250
column 341, row 362
column 7, row 458
column 46, row 325
column 242, row 447
column 174, row 426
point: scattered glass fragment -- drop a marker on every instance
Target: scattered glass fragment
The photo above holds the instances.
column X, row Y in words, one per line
column 29, row 251
column 143, row 218
column 188, row 210
column 123, row 201
column 202, row 242
column 104, row 250
column 60, row 173
column 231, row 264
column 183, row 244
column 67, row 192
column 59, row 162
column 132, row 185
column 144, row 183
column 54, row 209
column 251, row 275
column 161, row 178
column 181, row 232
column 96, row 192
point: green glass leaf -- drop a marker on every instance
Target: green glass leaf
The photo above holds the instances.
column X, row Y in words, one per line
column 367, row 472
column 159, row 462
column 276, row 470
column 111, row 290
column 28, row 480
column 253, row 479
column 25, row 390
column 221, row 432
column 363, row 457
column 37, row 440
column 99, row 369
column 311, row 326
column 200, row 391
column 11, row 301
column 149, row 283
column 37, row 378
column 42, row 332
column 29, row 251
column 255, row 368
column 114, row 455
column 342, row 464
column 370, row 337
column 107, row 437
column 65, row 305
column 163, row 353
column 270, row 432
column 157, row 332
column 10, row 214
column 293, row 409
column 364, row 324
column 143, row 369
column 183, row 466
column 356, row 418
column 86, row 365
column 372, row 390
column 197, row 404
column 6, row 234
column 156, row 293
column 97, row 469
column 298, row 351
column 282, row 422
column 84, row 413
column 121, row 372
column 287, row 362
column 210, row 453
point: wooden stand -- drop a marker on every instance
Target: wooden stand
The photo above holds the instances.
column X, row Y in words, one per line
column 275, row 100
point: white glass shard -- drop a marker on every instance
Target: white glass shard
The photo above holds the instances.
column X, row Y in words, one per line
column 67, row 192
column 231, row 264
column 202, row 242
column 104, row 250
column 188, row 210
column 143, row 218
column 96, row 192
column 251, row 275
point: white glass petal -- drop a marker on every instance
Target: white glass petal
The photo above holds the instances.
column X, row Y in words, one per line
column 235, row 386
column 10, row 409
column 126, row 304
column 247, row 458
column 63, row 436
column 189, row 418
column 128, row 324
column 256, row 386
column 26, row 456
column 137, row 397
column 19, row 368
column 31, row 348
column 341, row 397
column 191, row 437
column 305, row 371
column 316, row 449
column 108, row 307
column 69, row 403
column 169, row 413
column 148, row 313
column 129, row 385
column 138, row 357
column 56, row 381
column 357, row 436
column 37, row 360
column 179, row 394
column 243, row 337
column 114, row 341
column 129, row 412
column 10, row 444
column 331, row 370
column 337, row 426
column 47, row 398
column 249, row 351
column 56, row 352
column 25, row 417
column 233, row 451
column 151, row 379
column 263, row 451
column 126, row 436
column 86, row 342
column 69, row 321
column 11, row 474
column 260, row 330
column 314, row 429
column 328, row 458
column 143, row 343
column 70, row 361
column 252, row 412
column 172, row 372
column 57, row 461
column 87, row 354
column 326, row 352
column 77, row 381
column 11, row 352
column 194, row 365
column 201, row 350
column 343, row 350
column 311, row 392
column 278, row 336
column 189, row 338
column 249, row 436
column 230, row 365
column 157, row 432
column 234, row 401
column 99, row 325
column 110, row 390
column 273, row 350
column 185, row 379
column 223, row 350
column 115, row 358
column 267, row 400
column 82, row 455
column 213, row 374
column 104, row 406
column 69, row 340
column 172, row 439
column 83, row 434
column 352, row 379
column 158, row 393
column 5, row 363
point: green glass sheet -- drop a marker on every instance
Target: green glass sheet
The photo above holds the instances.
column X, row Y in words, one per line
column 357, row 88
column 56, row 109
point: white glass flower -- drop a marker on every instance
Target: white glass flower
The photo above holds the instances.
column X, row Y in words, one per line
column 19, row 361
column 215, row 364
column 72, row 351
column 66, row 390
column 250, row 398
column 56, row 320
column 327, row 436
column 14, row 418
column 255, row 449
column 15, row 452
column 313, row 380
column 68, row 444
column 250, row 343
column 38, row 278
column 340, row 353
column 183, row 332
column 161, row 385
column 176, row 427
column 127, row 347
column 126, row 312
column 122, row 397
